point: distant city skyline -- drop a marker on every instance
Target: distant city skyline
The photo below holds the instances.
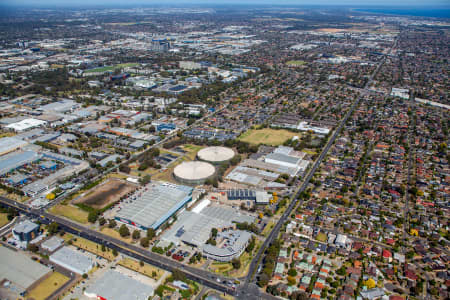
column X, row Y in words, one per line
column 359, row 3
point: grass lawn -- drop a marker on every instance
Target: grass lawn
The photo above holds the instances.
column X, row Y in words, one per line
column 322, row 237
column 13, row 196
column 191, row 151
column 222, row 268
column 245, row 265
column 267, row 136
column 115, row 234
column 72, row 212
column 146, row 270
column 111, row 68
column 268, row 229
column 309, row 151
column 296, row 63
column 116, row 175
column 93, row 248
column 3, row 219
column 48, row 286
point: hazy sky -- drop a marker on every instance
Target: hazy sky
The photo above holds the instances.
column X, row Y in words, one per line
column 275, row 2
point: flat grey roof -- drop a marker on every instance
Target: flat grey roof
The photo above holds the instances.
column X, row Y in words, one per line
column 152, row 207
column 112, row 286
column 15, row 160
column 52, row 243
column 19, row 268
column 283, row 158
column 25, row 227
column 236, row 239
column 72, row 260
column 10, row 143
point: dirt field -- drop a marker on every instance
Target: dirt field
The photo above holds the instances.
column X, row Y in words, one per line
column 106, row 193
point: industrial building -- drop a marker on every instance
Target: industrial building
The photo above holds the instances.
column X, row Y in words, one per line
column 20, row 271
column 12, row 161
column 153, row 205
column 216, row 155
column 72, row 260
column 26, row 124
column 10, row 144
column 194, row 172
column 287, row 157
column 260, row 197
column 26, row 231
column 52, row 244
column 112, row 285
column 72, row 166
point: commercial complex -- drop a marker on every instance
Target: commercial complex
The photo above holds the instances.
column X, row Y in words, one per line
column 153, row 205
column 193, row 227
column 233, row 244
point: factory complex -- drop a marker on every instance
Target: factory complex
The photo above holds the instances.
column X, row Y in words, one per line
column 33, row 170
column 154, row 204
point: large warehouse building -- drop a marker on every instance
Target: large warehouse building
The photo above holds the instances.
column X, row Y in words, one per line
column 153, row 205
column 22, row 272
column 193, row 172
column 72, row 260
column 10, row 144
column 112, row 285
column 216, row 155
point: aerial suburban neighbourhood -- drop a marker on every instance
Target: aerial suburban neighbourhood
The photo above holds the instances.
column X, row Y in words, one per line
column 220, row 151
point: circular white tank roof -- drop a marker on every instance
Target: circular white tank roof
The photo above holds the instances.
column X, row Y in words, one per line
column 194, row 170
column 215, row 154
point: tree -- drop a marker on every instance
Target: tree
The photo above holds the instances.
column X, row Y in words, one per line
column 85, row 275
column 214, row 232
column 102, row 221
column 114, row 252
column 32, row 247
column 53, row 228
column 150, row 233
column 112, row 223
column 292, row 272
column 92, row 216
column 236, row 263
column 251, row 245
column 263, row 280
column 124, row 231
column 145, row 242
column 178, row 275
column 291, row 280
column 136, row 234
